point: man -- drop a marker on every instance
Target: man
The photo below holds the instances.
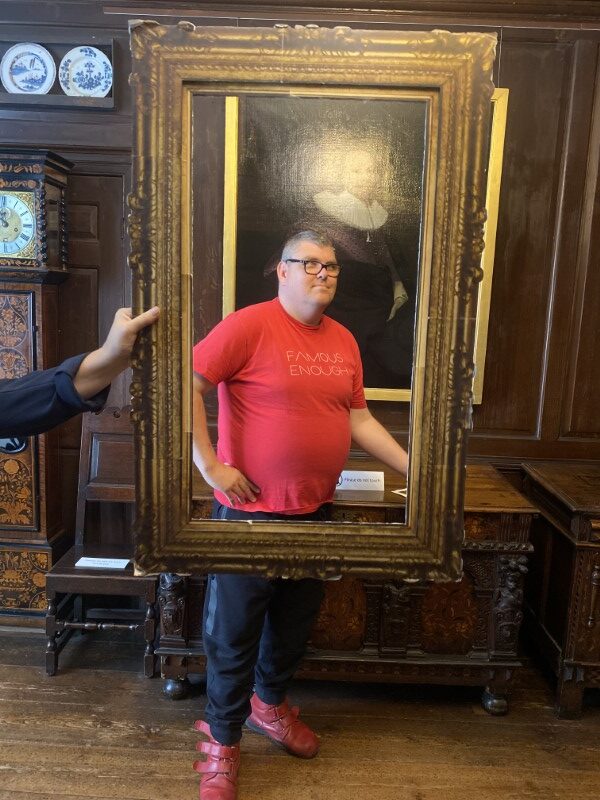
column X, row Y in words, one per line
column 290, row 399
column 40, row 400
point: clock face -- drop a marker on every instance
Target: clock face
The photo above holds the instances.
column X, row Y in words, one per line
column 17, row 224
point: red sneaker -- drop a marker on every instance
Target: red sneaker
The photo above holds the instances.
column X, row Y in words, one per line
column 281, row 724
column 220, row 767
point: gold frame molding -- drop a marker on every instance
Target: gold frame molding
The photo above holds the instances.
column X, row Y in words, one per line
column 170, row 64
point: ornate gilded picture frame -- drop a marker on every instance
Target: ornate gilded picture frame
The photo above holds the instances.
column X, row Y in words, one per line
column 184, row 79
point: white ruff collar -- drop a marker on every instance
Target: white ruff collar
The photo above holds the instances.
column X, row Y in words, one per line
column 348, row 209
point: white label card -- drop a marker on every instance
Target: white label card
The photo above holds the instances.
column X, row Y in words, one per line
column 102, row 563
column 361, row 480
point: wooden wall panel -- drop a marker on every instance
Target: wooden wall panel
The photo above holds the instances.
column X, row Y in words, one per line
column 98, row 284
column 97, row 250
column 522, row 285
column 581, row 406
column 541, row 257
column 572, row 251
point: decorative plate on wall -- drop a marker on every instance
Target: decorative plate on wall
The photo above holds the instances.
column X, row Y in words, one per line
column 27, row 68
column 85, row 72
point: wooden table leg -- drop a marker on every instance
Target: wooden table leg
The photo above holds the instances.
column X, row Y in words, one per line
column 51, row 633
column 569, row 693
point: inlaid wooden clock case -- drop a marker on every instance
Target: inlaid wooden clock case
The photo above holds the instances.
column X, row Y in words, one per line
column 31, row 529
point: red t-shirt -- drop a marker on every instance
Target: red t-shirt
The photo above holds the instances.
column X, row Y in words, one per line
column 285, row 392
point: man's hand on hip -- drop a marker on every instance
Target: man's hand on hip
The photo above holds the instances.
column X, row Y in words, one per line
column 232, row 483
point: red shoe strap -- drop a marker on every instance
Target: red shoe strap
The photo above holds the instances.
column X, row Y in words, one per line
column 221, row 759
column 223, row 766
column 219, row 751
column 202, row 726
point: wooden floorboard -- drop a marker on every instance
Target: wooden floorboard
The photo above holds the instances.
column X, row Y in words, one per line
column 100, row 730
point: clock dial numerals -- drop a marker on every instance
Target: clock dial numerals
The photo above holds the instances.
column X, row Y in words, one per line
column 17, row 225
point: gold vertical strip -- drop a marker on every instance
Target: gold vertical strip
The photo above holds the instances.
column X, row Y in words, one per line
column 230, row 199
column 492, row 203
column 186, row 217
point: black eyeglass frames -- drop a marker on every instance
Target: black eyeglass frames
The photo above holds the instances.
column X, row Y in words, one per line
column 313, row 267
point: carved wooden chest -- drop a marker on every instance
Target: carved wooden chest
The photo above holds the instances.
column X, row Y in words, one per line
column 452, row 633
column 563, row 593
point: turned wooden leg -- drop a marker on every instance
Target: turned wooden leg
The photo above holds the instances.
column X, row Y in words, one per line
column 51, row 633
column 149, row 634
column 78, row 612
column 569, row 693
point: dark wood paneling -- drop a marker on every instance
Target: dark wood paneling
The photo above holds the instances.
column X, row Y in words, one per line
column 572, row 249
column 523, row 11
column 69, row 466
column 78, row 302
column 522, row 285
column 97, row 247
column 98, row 284
column 542, row 254
column 582, row 391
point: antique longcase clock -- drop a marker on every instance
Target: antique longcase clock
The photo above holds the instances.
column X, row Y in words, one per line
column 33, row 262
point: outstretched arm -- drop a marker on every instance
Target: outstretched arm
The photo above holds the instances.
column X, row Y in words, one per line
column 373, row 437
column 42, row 399
column 101, row 366
column 227, row 479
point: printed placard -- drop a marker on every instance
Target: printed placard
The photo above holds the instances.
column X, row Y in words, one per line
column 102, row 563
column 361, row 480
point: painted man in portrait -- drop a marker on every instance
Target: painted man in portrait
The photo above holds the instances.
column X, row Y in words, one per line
column 371, row 292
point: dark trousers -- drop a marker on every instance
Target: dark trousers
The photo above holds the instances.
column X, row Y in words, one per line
column 255, row 632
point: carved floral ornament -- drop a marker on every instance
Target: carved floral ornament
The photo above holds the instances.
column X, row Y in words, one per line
column 451, row 75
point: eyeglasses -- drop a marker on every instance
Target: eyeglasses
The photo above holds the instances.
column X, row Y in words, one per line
column 312, row 267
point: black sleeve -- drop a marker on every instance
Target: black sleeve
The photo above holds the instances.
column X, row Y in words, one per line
column 39, row 401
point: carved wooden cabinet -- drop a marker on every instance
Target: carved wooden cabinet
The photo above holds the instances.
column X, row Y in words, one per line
column 453, row 633
column 563, row 592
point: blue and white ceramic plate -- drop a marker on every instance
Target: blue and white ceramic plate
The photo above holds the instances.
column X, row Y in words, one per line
column 27, row 68
column 85, row 72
